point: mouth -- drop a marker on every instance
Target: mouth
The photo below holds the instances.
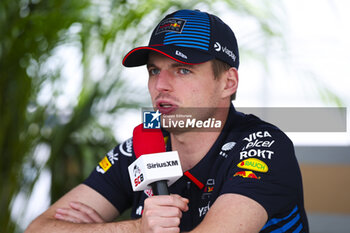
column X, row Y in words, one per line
column 166, row 107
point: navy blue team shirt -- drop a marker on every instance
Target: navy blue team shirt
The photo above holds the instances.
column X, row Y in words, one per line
column 250, row 157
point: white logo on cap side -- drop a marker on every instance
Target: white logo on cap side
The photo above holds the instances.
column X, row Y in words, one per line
column 225, row 50
column 217, row 46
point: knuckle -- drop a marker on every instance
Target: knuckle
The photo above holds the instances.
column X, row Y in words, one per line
column 148, row 201
column 176, row 221
column 179, row 213
column 152, row 222
column 172, row 199
column 147, row 213
column 157, row 230
column 90, row 211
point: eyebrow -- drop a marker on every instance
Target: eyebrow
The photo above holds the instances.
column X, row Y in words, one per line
column 174, row 65
column 150, row 65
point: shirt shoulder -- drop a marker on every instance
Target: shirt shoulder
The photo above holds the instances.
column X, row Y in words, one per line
column 111, row 178
column 262, row 165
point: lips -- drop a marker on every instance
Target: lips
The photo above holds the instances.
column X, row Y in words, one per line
column 166, row 107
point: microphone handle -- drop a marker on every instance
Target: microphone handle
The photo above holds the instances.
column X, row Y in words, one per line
column 160, row 187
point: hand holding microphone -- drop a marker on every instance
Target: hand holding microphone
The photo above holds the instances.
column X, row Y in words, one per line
column 157, row 169
column 154, row 167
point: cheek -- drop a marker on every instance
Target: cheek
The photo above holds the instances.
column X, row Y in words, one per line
column 151, row 84
column 198, row 95
column 203, row 89
column 207, row 94
column 151, row 89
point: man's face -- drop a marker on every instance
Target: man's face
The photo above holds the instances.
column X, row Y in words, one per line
column 173, row 85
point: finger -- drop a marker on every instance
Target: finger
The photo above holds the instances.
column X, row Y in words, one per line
column 87, row 210
column 168, row 200
column 182, row 198
column 90, row 212
column 170, row 222
column 163, row 211
column 74, row 216
column 66, row 218
column 155, row 224
column 170, row 230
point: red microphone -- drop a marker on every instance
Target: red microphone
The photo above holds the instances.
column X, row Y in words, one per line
column 154, row 167
column 147, row 141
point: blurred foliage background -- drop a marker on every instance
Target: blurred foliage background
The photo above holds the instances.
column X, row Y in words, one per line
column 45, row 123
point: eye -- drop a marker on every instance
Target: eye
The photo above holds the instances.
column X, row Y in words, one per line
column 184, row 71
column 153, row 71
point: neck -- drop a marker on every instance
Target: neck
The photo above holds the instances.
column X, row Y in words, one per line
column 192, row 146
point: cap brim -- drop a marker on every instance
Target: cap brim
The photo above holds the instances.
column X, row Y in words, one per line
column 189, row 56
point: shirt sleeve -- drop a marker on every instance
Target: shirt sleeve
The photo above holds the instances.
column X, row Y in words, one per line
column 111, row 178
column 264, row 168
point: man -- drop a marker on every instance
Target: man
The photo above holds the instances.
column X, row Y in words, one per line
column 241, row 177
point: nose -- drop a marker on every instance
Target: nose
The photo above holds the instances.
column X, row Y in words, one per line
column 164, row 82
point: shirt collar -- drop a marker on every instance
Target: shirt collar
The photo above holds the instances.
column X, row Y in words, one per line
column 200, row 172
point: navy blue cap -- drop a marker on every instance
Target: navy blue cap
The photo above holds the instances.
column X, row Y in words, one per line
column 190, row 37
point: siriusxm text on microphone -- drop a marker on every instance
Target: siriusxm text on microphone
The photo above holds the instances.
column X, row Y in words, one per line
column 149, row 168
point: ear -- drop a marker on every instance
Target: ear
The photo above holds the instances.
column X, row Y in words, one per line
column 230, row 79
